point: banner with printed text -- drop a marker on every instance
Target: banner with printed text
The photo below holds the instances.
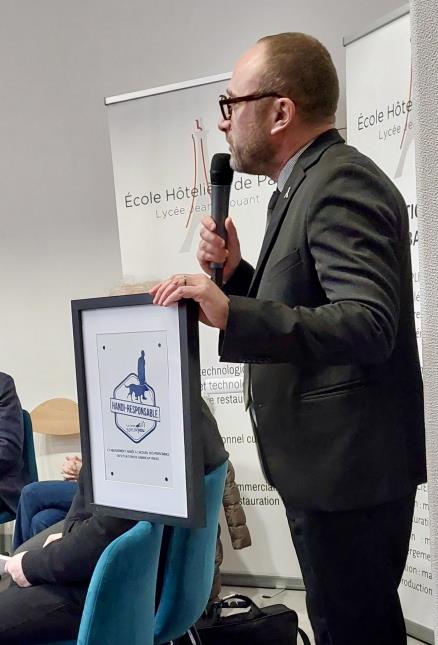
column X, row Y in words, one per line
column 162, row 144
column 381, row 124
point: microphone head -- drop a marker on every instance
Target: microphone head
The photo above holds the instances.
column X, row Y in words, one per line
column 221, row 173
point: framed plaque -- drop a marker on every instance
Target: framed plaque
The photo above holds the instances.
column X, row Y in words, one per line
column 137, row 370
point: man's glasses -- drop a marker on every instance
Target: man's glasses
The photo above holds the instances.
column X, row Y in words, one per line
column 226, row 102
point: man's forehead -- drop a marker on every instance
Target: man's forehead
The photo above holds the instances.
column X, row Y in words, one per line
column 247, row 72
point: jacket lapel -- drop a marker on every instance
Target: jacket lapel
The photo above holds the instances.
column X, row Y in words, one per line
column 295, row 179
column 309, row 157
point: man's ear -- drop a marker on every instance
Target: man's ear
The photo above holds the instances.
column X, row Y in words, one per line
column 283, row 115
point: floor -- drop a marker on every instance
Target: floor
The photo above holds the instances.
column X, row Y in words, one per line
column 293, row 599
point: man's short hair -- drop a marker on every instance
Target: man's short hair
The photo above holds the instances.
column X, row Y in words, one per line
column 299, row 67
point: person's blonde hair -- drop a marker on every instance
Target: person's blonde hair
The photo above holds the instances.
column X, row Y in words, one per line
column 128, row 288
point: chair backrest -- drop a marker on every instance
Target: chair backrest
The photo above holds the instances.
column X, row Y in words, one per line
column 56, row 417
column 189, row 567
column 29, row 450
column 120, row 603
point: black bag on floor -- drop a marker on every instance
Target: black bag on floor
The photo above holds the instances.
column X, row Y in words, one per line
column 273, row 625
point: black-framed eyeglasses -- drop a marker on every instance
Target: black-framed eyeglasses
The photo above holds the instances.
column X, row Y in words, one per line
column 226, row 102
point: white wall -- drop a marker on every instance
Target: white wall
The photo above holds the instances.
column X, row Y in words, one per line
column 58, row 60
column 424, row 21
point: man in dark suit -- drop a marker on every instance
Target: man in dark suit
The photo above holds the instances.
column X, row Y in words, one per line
column 325, row 325
column 12, row 472
column 45, row 601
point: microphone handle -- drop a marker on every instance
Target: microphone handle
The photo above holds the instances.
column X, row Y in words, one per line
column 220, row 199
column 218, row 276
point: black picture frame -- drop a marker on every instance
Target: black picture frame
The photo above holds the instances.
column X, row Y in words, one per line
column 187, row 312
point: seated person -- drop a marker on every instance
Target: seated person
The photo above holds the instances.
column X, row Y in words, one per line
column 47, row 595
column 43, row 504
column 12, row 468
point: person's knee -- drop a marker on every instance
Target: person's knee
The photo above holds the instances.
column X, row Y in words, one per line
column 30, row 491
column 43, row 520
column 29, row 498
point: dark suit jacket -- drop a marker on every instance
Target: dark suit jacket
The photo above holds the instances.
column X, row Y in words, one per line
column 326, row 322
column 12, row 471
column 85, row 535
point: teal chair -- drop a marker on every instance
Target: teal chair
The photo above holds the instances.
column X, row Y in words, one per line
column 189, row 568
column 120, row 603
column 31, row 471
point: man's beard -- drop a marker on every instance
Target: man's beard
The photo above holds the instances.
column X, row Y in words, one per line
column 254, row 157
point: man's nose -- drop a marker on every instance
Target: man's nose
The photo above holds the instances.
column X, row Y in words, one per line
column 223, row 124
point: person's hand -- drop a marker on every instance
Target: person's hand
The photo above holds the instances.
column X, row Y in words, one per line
column 15, row 570
column 52, row 538
column 212, row 247
column 212, row 301
column 71, row 467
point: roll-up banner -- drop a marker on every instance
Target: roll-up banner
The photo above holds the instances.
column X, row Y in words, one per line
column 381, row 124
column 162, row 141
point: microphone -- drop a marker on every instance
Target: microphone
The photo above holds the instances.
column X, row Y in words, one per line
column 221, row 177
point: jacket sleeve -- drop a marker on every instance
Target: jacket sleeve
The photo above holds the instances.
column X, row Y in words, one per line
column 11, row 426
column 72, row 558
column 353, row 233
column 234, row 512
column 240, row 281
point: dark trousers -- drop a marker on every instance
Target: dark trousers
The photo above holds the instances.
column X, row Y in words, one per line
column 40, row 614
column 43, row 613
column 352, row 563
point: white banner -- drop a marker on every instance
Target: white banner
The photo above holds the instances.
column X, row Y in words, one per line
column 161, row 144
column 381, row 124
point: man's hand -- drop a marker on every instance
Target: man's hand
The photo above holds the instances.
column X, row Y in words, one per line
column 15, row 570
column 212, row 301
column 71, row 467
column 212, row 247
column 52, row 538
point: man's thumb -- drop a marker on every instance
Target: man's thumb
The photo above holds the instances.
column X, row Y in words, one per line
column 233, row 240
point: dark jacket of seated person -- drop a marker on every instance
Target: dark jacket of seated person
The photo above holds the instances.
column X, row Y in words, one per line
column 12, row 471
column 59, row 574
